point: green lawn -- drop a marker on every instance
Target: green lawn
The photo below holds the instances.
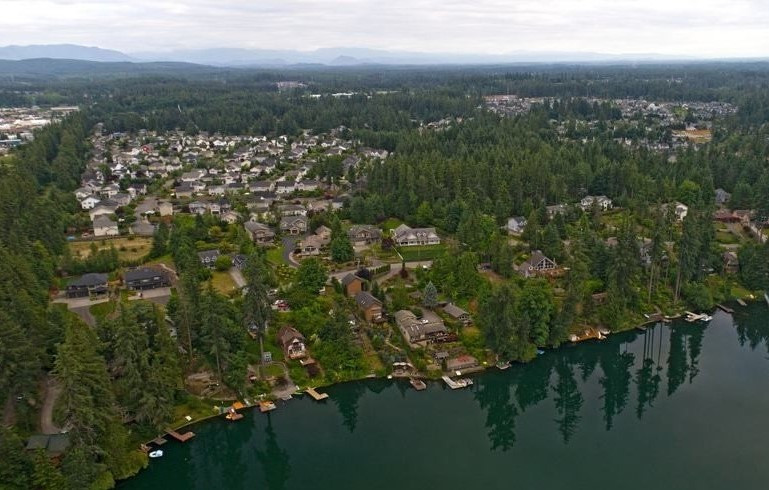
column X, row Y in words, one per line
column 101, row 310
column 427, row 252
column 275, row 256
column 389, row 224
column 726, row 237
column 222, row 282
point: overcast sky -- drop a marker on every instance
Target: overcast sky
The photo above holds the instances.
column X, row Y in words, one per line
column 706, row 28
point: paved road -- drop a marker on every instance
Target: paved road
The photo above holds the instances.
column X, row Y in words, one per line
column 289, row 244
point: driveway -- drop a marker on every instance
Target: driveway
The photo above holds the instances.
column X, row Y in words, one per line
column 237, row 276
column 158, row 296
column 148, row 204
column 289, row 244
column 394, row 270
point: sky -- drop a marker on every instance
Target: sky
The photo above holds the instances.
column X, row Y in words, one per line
column 699, row 28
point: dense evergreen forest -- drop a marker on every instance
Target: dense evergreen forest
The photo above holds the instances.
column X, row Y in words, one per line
column 122, row 379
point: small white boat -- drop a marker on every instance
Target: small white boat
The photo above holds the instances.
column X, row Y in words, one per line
column 707, row 318
column 156, row 454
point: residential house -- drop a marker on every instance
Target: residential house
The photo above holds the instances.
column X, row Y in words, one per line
column 722, row 197
column 87, row 285
column 122, row 198
column 458, row 314
column 285, row 187
column 370, row 306
column 406, row 236
column 165, row 208
column 556, row 209
column 307, row 185
column 537, row 264
column 292, row 210
column 324, row 232
column 293, row 225
column 89, row 202
column 516, row 224
column 104, row 226
column 461, row 363
column 602, row 202
column 193, row 175
column 142, row 227
column 208, row 257
column 104, row 208
column 361, row 235
column 260, row 233
column 416, row 330
column 352, row 285
column 230, row 217
column 292, row 342
column 184, row 190
column 261, row 186
column 311, row 245
column 143, row 278
column 681, row 210
column 197, row 207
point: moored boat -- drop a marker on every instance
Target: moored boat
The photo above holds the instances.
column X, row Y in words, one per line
column 156, row 454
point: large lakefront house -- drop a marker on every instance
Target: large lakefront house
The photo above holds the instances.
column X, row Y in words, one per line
column 405, row 236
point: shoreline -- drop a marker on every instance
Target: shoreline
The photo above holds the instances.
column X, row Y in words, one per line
column 473, row 371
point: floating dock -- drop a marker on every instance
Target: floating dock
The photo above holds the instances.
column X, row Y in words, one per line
column 315, row 395
column 159, row 441
column 180, row 437
column 418, row 384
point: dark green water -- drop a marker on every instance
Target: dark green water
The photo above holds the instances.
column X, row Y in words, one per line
column 675, row 407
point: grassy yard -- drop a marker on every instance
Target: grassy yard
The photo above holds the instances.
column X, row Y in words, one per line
column 426, row 252
column 389, row 224
column 275, row 256
column 726, row 237
column 129, row 248
column 222, row 282
column 102, row 310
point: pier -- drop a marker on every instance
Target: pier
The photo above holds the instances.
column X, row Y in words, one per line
column 180, row 437
column 726, row 309
column 315, row 395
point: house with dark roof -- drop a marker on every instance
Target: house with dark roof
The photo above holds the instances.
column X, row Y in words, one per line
column 361, row 235
column 293, row 225
column 352, row 285
column 104, row 226
column 292, row 342
column 416, row 330
column 259, row 232
column 87, row 285
column 370, row 306
column 142, row 278
column 208, row 257
column 538, row 263
column 457, row 314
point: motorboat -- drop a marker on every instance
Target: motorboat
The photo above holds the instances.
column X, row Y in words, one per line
column 158, row 453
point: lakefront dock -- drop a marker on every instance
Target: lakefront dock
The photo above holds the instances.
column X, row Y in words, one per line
column 315, row 395
column 180, row 437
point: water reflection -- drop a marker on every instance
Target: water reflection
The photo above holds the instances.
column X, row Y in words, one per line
column 626, row 367
column 273, row 460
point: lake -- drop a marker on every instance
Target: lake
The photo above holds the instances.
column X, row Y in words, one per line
column 672, row 407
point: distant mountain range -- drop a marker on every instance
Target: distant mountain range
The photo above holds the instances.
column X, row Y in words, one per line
column 237, row 57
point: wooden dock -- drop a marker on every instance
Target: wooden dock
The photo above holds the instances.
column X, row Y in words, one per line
column 159, row 441
column 266, row 406
column 180, row 437
column 316, row 396
column 726, row 308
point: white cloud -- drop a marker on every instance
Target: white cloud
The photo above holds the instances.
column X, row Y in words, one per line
column 688, row 27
